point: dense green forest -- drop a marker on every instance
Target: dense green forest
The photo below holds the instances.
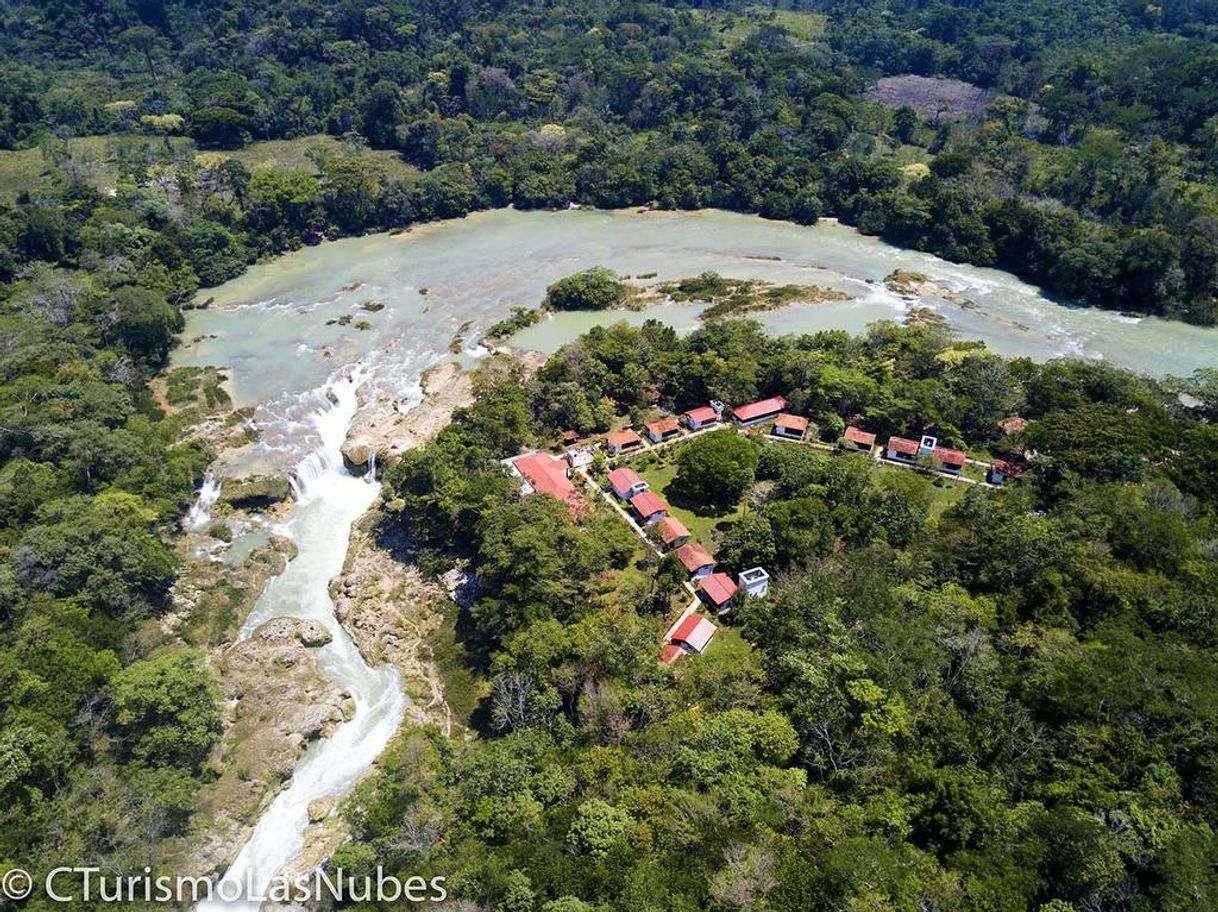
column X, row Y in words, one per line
column 981, row 699
column 1091, row 170
column 1005, row 701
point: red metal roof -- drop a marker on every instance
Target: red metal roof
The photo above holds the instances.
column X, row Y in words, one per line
column 770, row 406
column 624, row 479
column 648, row 503
column 548, row 474
column 670, row 654
column 703, row 414
column 694, row 556
column 671, row 529
column 949, row 456
column 663, row 426
column 794, row 422
column 1009, row 469
column 856, row 435
column 719, row 588
column 622, row 438
column 904, row 445
column 695, row 631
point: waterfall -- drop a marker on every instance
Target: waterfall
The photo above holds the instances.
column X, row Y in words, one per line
column 329, row 500
column 330, row 422
column 200, row 512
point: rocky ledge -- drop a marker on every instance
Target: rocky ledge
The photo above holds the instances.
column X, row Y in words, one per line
column 382, row 430
column 277, row 703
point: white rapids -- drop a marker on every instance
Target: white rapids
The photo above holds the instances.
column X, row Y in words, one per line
column 329, row 500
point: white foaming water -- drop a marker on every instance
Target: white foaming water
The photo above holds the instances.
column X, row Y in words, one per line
column 200, row 512
column 329, row 500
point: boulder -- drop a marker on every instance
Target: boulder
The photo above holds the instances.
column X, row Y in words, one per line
column 356, row 454
column 256, row 492
column 313, row 634
column 320, row 808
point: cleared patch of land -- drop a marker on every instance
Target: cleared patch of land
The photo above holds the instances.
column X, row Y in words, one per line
column 803, row 27
column 950, row 99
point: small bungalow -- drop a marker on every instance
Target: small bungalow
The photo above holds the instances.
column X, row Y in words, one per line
column 950, row 461
column 694, row 633
column 664, row 429
column 718, row 590
column 541, row 472
column 704, row 416
column 755, row 582
column 792, row 427
column 1002, row 471
column 672, row 532
column 859, row 439
column 696, row 559
column 759, row 412
column 620, row 442
column 671, row 653
column 648, row 507
column 901, row 449
column 626, row 483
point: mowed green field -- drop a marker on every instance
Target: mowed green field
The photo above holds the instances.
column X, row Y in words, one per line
column 98, row 159
column 802, row 26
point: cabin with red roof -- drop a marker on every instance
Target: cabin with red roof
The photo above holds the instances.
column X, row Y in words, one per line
column 718, row 590
column 620, row 442
column 663, row 429
column 696, row 559
column 902, row 449
column 626, row 483
column 704, row 416
column 859, row 439
column 759, row 412
column 949, row 460
column 694, row 633
column 649, row 507
column 1003, row 471
column 541, row 472
column 792, row 427
column 672, row 532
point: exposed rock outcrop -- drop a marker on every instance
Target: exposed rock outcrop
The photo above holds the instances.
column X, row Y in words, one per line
column 390, row 609
column 382, row 430
column 257, row 492
column 277, row 702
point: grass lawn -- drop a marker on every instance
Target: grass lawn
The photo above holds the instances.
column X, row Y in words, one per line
column 803, row 27
column 96, row 158
column 702, row 525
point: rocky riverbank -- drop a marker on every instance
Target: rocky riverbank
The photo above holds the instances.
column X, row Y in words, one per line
column 391, row 609
column 276, row 699
column 381, row 429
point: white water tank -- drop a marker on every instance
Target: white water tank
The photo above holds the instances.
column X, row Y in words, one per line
column 754, row 583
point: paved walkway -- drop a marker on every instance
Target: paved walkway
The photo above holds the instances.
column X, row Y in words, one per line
column 877, row 452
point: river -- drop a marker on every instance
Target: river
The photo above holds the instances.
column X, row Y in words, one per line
column 301, row 334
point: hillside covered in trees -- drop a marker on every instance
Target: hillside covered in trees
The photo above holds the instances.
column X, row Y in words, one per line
column 1091, row 170
column 1003, row 699
column 955, row 697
